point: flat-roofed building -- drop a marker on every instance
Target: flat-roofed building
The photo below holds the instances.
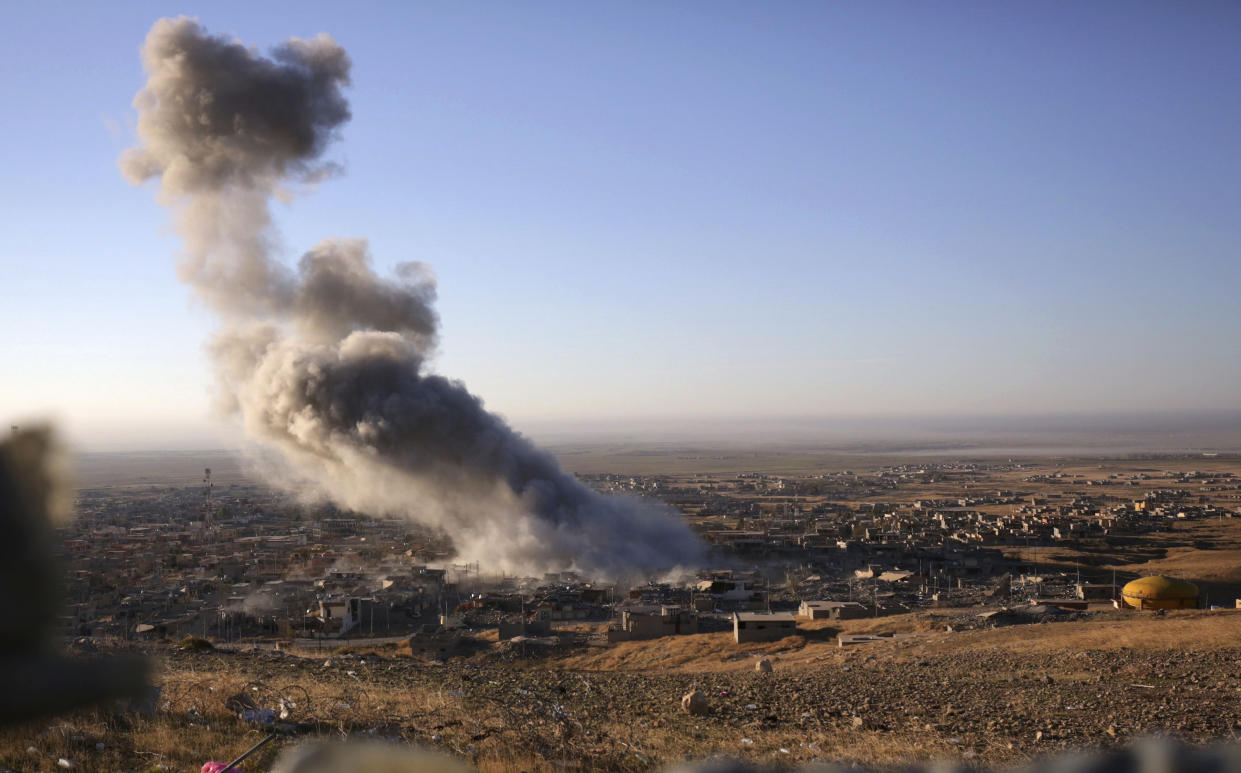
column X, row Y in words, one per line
column 763, row 626
column 653, row 622
column 831, row 610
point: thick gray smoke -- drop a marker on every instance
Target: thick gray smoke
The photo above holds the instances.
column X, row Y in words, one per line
column 327, row 362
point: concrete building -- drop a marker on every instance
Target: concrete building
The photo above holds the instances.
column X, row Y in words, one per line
column 653, row 622
column 832, row 610
column 340, row 615
column 763, row 626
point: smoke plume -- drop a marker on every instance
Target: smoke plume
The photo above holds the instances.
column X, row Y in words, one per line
column 326, row 362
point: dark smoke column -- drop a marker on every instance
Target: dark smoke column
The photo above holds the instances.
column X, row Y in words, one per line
column 325, row 363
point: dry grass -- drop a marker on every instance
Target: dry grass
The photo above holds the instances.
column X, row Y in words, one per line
column 193, row 726
column 1222, row 565
column 698, row 653
column 814, row 643
column 508, row 734
column 176, row 740
column 817, row 645
column 1182, row 630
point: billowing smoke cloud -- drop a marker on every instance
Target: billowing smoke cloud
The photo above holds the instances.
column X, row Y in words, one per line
column 326, row 363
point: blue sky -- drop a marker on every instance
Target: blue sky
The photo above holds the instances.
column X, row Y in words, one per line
column 679, row 210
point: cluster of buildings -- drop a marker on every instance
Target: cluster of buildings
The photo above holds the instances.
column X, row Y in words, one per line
column 245, row 562
column 153, row 563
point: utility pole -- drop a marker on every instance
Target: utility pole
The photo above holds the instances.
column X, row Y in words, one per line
column 208, row 526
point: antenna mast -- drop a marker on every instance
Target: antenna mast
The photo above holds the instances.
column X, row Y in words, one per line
column 208, row 526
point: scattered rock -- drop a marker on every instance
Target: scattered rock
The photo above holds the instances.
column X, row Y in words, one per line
column 695, row 703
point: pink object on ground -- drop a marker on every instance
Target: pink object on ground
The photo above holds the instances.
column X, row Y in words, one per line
column 216, row 767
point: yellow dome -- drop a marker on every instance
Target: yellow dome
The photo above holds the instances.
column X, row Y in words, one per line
column 1160, row 593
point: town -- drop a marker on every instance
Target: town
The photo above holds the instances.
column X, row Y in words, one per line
column 239, row 562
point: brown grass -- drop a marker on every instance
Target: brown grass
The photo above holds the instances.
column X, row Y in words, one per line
column 1197, row 630
column 1223, row 565
column 697, row 653
column 194, row 726
column 817, row 645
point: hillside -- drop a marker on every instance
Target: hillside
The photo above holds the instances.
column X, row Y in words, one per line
column 990, row 696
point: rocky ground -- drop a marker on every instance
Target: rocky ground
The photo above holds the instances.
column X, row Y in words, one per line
column 993, row 706
column 959, row 697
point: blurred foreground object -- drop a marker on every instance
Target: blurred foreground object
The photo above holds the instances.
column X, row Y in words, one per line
column 364, row 757
column 36, row 679
column 1150, row 755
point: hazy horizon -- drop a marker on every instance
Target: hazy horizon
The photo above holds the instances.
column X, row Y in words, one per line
column 1156, row 432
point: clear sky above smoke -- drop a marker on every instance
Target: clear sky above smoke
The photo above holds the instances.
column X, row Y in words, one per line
column 645, row 210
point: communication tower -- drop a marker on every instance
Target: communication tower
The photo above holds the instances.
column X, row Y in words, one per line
column 207, row 509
